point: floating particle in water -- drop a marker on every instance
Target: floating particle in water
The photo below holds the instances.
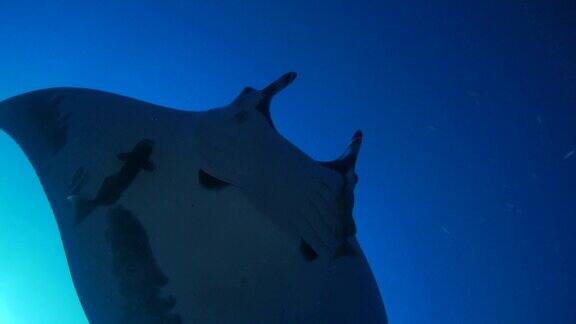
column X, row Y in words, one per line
column 474, row 95
column 569, row 155
column 511, row 207
column 445, row 230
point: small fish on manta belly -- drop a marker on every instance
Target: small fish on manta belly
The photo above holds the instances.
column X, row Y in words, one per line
column 113, row 186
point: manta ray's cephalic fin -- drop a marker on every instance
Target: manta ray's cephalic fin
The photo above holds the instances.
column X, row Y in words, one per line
column 347, row 161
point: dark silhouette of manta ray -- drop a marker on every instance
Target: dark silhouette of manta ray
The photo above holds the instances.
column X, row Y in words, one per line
column 236, row 224
column 140, row 278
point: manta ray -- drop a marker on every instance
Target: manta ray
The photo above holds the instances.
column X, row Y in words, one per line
column 173, row 216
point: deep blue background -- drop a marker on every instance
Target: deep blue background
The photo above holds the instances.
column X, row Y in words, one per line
column 466, row 203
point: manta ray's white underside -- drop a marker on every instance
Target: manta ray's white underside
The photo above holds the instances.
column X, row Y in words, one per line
column 233, row 225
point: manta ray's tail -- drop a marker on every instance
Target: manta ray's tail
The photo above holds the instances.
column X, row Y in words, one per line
column 83, row 207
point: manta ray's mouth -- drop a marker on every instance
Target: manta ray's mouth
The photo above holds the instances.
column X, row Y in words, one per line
column 346, row 163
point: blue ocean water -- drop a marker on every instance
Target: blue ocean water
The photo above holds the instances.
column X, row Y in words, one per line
column 466, row 203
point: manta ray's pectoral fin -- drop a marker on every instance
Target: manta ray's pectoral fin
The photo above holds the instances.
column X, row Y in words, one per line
column 82, row 207
column 78, row 181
